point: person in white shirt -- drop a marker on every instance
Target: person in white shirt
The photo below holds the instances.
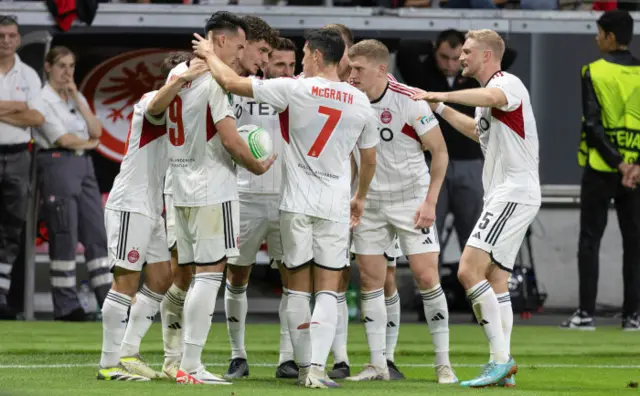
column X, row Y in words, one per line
column 259, row 219
column 505, row 127
column 21, row 109
column 204, row 142
column 323, row 120
column 72, row 209
column 136, row 235
column 402, row 200
column 255, row 194
column 341, row 368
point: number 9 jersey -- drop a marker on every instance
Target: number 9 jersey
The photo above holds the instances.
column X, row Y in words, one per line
column 203, row 171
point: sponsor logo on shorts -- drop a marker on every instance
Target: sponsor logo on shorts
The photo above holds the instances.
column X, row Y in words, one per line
column 133, row 256
column 114, row 86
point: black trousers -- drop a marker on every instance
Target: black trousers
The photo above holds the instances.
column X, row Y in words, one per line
column 14, row 186
column 598, row 189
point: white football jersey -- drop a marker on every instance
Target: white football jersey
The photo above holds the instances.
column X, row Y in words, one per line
column 203, row 171
column 249, row 112
column 138, row 187
column 168, row 182
column 402, row 174
column 322, row 122
column 509, row 140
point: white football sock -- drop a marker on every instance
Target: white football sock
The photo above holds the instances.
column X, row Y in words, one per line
column 323, row 327
column 506, row 314
column 487, row 311
column 339, row 346
column 374, row 316
column 235, row 305
column 114, row 322
column 198, row 311
column 437, row 313
column 393, row 324
column 298, row 318
column 286, row 348
column 143, row 312
column 171, row 309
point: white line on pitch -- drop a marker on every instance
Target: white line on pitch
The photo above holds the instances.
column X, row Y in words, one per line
column 585, row 366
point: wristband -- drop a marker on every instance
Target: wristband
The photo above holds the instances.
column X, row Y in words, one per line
column 440, row 108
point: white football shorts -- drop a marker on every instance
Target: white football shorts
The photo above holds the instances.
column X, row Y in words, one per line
column 306, row 238
column 259, row 221
column 207, row 234
column 134, row 239
column 170, row 221
column 380, row 225
column 501, row 230
column 393, row 252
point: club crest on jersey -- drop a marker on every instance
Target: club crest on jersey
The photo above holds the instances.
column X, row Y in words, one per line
column 133, row 256
column 114, row 86
column 386, row 116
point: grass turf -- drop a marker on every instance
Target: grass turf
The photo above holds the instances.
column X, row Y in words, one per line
column 56, row 359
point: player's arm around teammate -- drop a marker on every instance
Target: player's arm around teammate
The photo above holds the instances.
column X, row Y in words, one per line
column 513, row 191
column 136, row 235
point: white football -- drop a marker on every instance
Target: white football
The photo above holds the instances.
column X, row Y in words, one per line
column 258, row 140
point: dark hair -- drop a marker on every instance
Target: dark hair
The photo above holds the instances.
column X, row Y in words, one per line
column 225, row 21
column 618, row 22
column 452, row 37
column 260, row 30
column 8, row 20
column 173, row 60
column 284, row 44
column 56, row 53
column 329, row 42
column 346, row 33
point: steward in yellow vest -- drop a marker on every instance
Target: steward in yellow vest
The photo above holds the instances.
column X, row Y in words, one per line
column 609, row 147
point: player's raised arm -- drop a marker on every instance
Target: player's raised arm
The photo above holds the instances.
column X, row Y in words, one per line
column 478, row 97
column 462, row 122
column 168, row 92
column 223, row 74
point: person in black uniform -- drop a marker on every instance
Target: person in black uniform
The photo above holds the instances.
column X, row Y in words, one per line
column 20, row 110
column 71, row 201
column 611, row 125
column 440, row 71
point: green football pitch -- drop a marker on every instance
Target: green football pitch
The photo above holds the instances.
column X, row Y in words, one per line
column 56, row 359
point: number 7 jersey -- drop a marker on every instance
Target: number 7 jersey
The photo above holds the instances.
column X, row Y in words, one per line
column 202, row 169
column 321, row 122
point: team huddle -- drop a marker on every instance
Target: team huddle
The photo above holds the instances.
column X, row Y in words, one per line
column 349, row 179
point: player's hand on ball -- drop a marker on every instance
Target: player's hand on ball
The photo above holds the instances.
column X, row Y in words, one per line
column 425, row 215
column 201, row 46
column 433, row 97
column 357, row 208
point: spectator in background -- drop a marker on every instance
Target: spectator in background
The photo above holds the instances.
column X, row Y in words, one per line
column 20, row 110
column 611, row 121
column 72, row 205
column 440, row 71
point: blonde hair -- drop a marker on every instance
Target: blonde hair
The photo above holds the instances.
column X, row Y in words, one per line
column 489, row 38
column 371, row 49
